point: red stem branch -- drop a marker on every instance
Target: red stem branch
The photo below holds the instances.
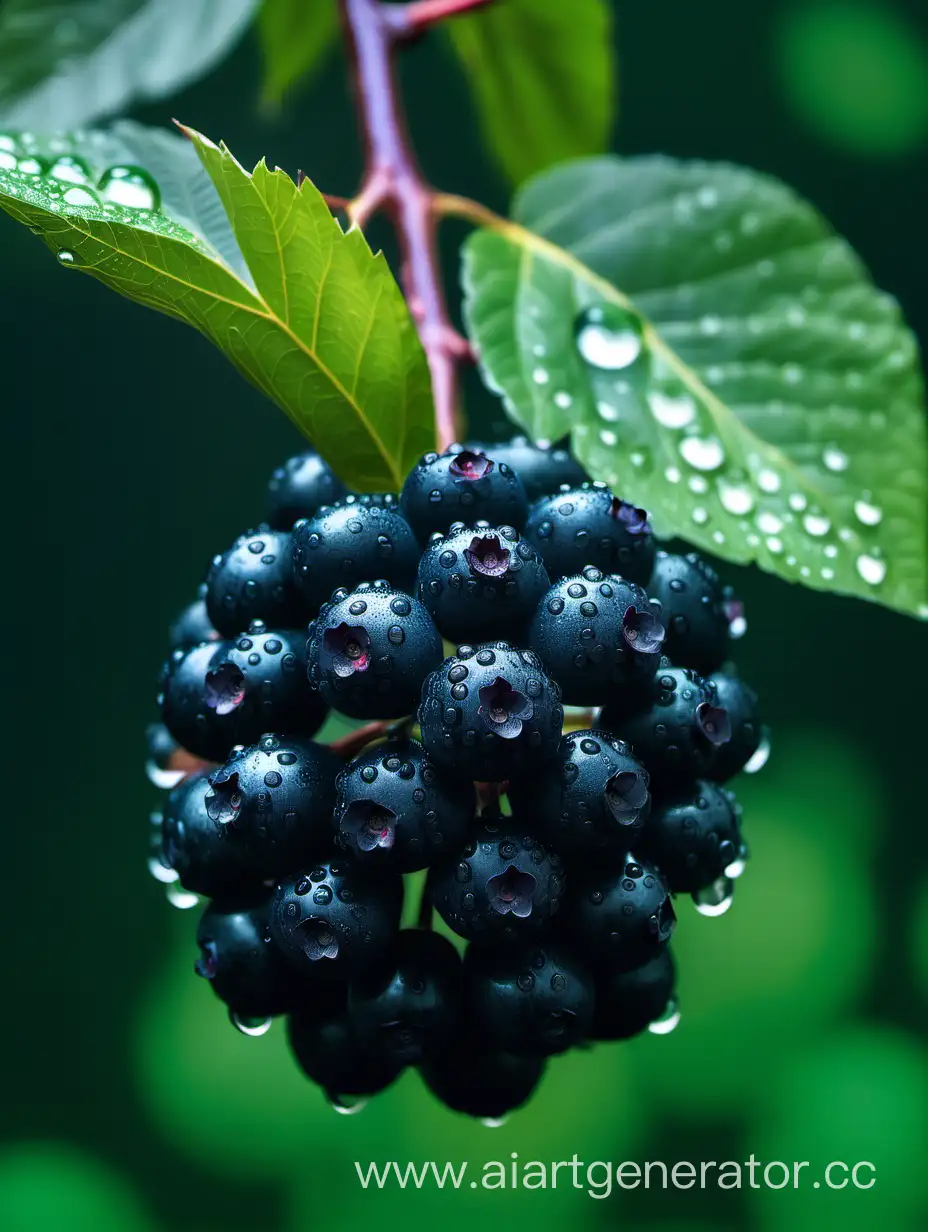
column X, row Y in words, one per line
column 393, row 182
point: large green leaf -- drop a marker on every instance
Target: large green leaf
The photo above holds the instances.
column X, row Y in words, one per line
column 316, row 321
column 721, row 357
column 296, row 36
column 542, row 74
column 63, row 65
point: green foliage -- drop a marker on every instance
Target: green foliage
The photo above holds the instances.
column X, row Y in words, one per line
column 542, row 74
column 856, row 75
column 314, row 319
column 61, row 67
column 296, row 36
column 722, row 358
column 51, row 1185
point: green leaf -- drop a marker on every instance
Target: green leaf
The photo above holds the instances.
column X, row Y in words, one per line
column 316, row 321
column 543, row 77
column 63, row 66
column 719, row 356
column 296, row 36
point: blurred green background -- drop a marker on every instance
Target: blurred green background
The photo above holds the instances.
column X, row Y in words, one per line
column 133, row 452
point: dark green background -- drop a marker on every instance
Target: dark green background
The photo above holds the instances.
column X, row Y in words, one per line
column 133, row 452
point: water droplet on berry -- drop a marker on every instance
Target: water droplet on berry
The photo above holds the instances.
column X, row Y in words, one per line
column 493, row 1122
column 165, row 780
column 348, row 1105
column 161, row 871
column 609, row 337
column 180, row 898
column 249, row 1026
column 668, row 1020
column 130, row 186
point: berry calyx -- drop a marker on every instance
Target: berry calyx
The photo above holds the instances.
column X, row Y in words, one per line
column 587, row 525
column 461, row 485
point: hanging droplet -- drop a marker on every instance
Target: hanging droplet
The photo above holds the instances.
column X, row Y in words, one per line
column 180, row 898
column 716, row 898
column 130, row 186
column 163, row 779
column 493, row 1122
column 348, row 1105
column 249, row 1026
column 738, row 864
column 161, row 871
column 759, row 757
column 668, row 1020
column 609, row 336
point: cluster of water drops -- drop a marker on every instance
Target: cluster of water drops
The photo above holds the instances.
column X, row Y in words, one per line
column 757, row 498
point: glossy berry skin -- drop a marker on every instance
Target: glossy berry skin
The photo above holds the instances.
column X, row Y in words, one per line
column 490, row 712
column 334, row 920
column 330, row 1054
column 628, row 1001
column 461, row 486
column 589, row 526
column 529, row 999
column 676, row 728
column 590, row 801
column 693, row 836
column 596, row 634
column 481, row 582
column 740, row 700
column 471, row 1079
column 273, row 802
column 397, row 810
column 299, row 488
column 503, row 884
column 542, row 471
column 253, row 580
column 198, row 849
column 622, row 917
column 693, row 606
column 352, row 542
column 221, row 694
column 242, row 964
column 411, row 1008
column 193, row 625
column 370, row 649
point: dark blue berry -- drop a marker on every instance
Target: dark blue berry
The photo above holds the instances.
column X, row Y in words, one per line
column 695, row 609
column 398, row 810
column 221, row 694
column 481, row 581
column 693, row 836
column 352, row 542
column 528, row 999
column 335, row 920
column 471, row 1079
column 273, row 801
column 253, row 580
column 243, row 965
column 587, row 525
column 411, row 1008
column 193, row 626
column 490, row 712
column 596, row 634
column 675, row 726
column 299, row 488
column 330, row 1054
column 370, row 649
column 588, row 802
column 461, row 486
column 740, row 700
column 628, row 1001
column 621, row 916
column 542, row 470
column 504, row 883
column 197, row 848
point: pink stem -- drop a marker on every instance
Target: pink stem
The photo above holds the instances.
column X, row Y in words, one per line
column 408, row 20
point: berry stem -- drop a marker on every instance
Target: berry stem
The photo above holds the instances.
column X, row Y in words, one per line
column 394, row 184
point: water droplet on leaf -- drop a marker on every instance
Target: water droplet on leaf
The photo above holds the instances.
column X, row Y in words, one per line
column 609, row 337
column 130, row 186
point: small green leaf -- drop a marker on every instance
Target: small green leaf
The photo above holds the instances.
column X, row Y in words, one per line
column 296, row 36
column 64, row 66
column 721, row 357
column 543, row 77
column 312, row 317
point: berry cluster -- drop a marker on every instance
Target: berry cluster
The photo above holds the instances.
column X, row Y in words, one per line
column 473, row 621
